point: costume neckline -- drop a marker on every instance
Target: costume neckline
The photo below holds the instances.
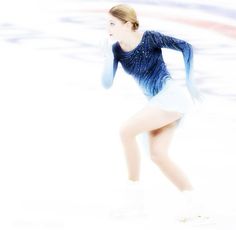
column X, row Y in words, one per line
column 139, row 44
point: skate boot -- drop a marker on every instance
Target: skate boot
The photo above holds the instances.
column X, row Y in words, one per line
column 193, row 209
column 131, row 203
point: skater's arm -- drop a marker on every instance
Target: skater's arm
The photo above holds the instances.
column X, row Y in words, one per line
column 109, row 69
column 164, row 41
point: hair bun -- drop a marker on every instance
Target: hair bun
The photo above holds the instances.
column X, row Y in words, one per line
column 125, row 13
column 136, row 25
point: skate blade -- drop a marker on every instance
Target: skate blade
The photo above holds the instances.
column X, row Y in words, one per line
column 197, row 220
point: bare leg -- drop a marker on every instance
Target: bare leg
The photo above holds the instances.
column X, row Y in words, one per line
column 132, row 157
column 148, row 119
column 159, row 143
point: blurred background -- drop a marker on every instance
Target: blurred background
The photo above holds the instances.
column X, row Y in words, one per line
column 61, row 163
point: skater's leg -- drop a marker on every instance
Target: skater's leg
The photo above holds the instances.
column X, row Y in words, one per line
column 192, row 206
column 159, row 142
column 149, row 118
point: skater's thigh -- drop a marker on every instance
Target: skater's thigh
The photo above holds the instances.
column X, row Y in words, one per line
column 159, row 140
column 150, row 118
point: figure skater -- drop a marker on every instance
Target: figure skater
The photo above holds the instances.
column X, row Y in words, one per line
column 140, row 55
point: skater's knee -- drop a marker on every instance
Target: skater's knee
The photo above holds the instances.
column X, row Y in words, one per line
column 159, row 158
column 126, row 132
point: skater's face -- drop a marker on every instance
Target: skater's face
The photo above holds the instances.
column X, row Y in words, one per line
column 117, row 28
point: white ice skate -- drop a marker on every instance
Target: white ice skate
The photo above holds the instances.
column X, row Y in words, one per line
column 131, row 203
column 193, row 210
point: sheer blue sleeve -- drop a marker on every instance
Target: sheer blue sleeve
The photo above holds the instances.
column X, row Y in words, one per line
column 164, row 41
column 109, row 69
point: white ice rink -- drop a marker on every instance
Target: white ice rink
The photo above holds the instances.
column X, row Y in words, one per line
column 61, row 162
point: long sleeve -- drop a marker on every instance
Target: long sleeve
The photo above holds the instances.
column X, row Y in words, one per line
column 109, row 69
column 164, row 41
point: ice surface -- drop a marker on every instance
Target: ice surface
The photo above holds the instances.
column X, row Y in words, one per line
column 61, row 158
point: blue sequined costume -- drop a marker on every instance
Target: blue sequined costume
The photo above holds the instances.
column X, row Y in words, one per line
column 145, row 62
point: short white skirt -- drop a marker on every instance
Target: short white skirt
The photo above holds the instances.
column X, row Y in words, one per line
column 173, row 97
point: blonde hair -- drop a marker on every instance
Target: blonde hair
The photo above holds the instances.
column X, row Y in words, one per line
column 125, row 13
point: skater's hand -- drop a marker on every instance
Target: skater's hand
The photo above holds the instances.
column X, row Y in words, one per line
column 196, row 95
column 106, row 47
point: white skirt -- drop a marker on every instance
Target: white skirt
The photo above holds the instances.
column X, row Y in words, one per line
column 173, row 97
